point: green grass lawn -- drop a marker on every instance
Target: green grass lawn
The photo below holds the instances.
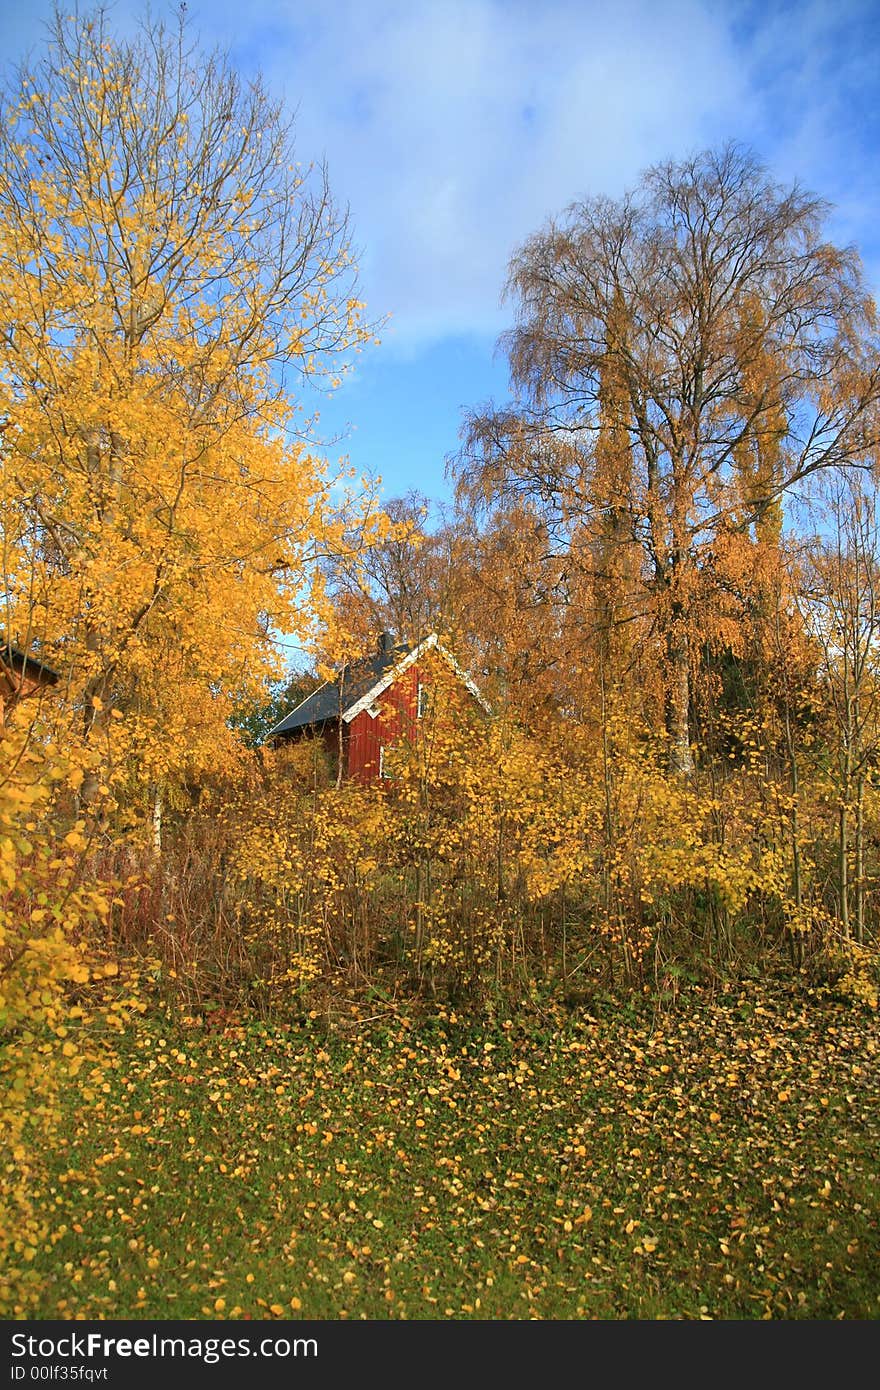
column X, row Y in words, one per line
column 718, row 1161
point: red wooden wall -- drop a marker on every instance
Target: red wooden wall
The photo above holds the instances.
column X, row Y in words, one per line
column 396, row 718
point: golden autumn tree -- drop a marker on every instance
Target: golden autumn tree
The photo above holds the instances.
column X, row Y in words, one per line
column 704, row 326
column 171, row 276
column 839, row 604
column 396, row 586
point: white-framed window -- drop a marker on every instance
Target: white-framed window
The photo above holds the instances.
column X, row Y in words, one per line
column 422, row 699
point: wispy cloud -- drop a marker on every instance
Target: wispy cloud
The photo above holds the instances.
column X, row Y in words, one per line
column 813, row 71
column 453, row 128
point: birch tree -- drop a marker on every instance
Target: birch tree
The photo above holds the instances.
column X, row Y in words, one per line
column 705, row 326
column 840, row 604
column 171, row 277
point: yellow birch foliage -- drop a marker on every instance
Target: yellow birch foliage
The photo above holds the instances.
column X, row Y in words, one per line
column 44, row 907
column 305, row 862
column 169, row 273
column 487, row 859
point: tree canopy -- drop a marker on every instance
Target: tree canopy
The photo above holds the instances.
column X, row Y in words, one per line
column 682, row 356
column 170, row 275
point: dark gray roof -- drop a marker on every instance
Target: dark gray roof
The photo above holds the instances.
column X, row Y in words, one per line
column 26, row 662
column 333, row 698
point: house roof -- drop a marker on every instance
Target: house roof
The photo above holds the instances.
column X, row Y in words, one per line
column 25, row 662
column 333, row 699
column 360, row 684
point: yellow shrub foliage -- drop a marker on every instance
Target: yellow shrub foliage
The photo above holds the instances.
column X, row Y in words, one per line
column 44, row 906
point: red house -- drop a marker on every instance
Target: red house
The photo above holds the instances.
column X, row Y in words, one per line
column 372, row 704
column 21, row 676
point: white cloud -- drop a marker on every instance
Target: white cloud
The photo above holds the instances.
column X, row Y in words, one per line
column 454, row 128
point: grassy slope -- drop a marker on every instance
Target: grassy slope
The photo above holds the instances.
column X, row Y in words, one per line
column 721, row 1160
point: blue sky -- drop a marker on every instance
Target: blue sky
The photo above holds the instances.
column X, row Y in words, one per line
column 454, row 128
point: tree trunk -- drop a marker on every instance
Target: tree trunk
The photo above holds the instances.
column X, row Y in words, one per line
column 678, row 701
column 860, row 860
column 843, row 866
column 157, row 819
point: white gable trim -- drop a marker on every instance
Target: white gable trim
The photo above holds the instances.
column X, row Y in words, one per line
column 404, row 664
column 463, row 677
column 389, row 678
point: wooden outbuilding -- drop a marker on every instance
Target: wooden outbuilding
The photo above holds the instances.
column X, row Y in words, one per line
column 371, row 705
column 22, row 676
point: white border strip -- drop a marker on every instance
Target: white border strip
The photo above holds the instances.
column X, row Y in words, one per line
column 403, row 665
